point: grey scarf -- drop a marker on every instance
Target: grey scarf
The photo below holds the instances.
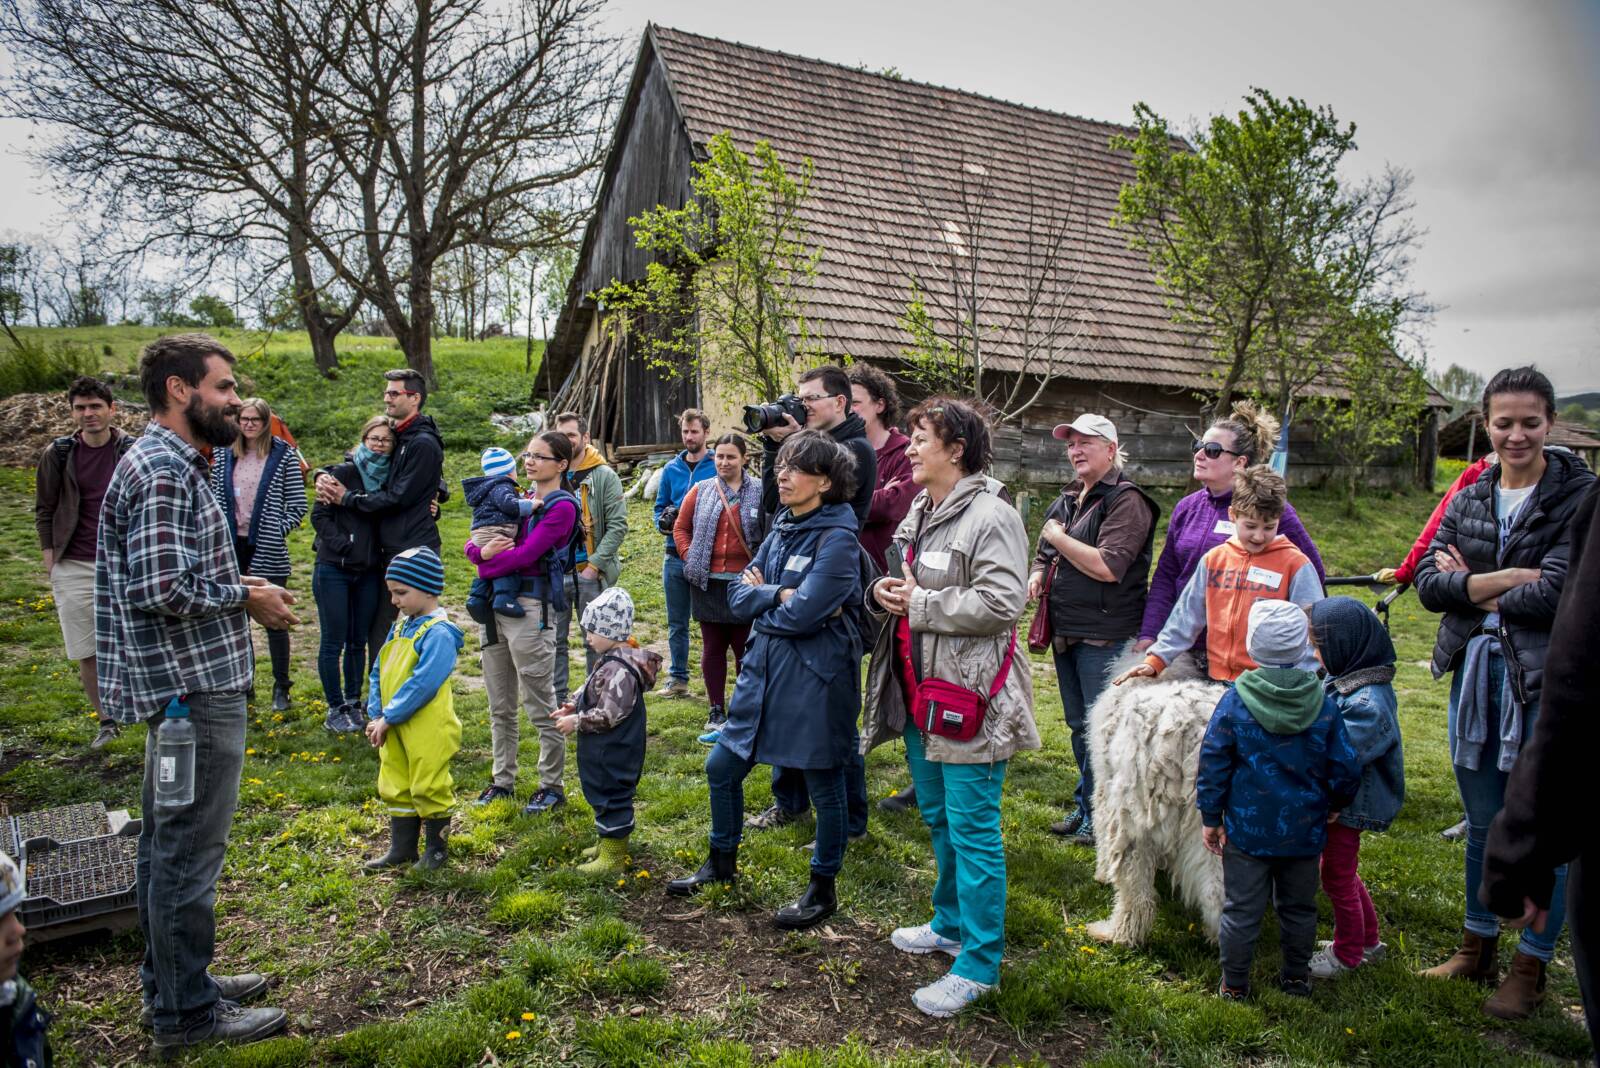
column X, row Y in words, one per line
column 1472, row 712
column 708, row 512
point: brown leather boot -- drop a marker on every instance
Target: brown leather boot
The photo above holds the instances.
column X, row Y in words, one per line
column 1520, row 991
column 1478, row 959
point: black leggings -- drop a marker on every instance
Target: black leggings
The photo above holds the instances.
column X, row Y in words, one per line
column 277, row 640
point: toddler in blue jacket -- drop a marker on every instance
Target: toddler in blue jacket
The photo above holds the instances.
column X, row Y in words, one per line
column 497, row 507
column 1275, row 768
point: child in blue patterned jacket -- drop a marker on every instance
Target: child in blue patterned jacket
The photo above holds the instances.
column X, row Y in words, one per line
column 1275, row 768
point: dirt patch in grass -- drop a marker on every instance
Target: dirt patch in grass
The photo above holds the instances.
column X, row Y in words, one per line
column 817, row 988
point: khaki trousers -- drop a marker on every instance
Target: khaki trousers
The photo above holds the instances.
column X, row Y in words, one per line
column 522, row 662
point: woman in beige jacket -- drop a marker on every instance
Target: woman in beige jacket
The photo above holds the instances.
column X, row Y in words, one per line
column 957, row 583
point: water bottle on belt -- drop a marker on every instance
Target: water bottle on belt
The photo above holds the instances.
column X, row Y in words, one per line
column 175, row 757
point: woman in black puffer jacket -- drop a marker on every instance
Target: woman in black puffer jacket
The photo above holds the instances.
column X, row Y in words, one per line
column 1495, row 570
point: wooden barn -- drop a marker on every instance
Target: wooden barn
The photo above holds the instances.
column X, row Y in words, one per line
column 911, row 181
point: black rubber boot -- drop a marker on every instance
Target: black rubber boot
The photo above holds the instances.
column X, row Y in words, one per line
column 403, row 832
column 720, row 867
column 814, row 906
column 435, row 851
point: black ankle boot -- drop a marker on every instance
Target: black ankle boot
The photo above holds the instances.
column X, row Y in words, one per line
column 720, row 867
column 814, row 906
column 434, row 850
column 403, row 832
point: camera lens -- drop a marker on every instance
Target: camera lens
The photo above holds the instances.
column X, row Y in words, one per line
column 758, row 417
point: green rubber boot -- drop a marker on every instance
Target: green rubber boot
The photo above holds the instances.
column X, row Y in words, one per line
column 590, row 853
column 612, row 858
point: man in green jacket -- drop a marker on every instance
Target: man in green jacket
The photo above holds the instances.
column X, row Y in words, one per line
column 596, row 559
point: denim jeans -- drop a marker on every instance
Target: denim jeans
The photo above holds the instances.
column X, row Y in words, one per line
column 346, row 600
column 960, row 803
column 790, row 792
column 580, row 591
column 677, row 588
column 725, row 774
column 1082, row 673
column 1483, row 794
column 180, row 859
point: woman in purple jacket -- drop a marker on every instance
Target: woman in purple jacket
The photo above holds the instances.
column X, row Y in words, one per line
column 1200, row 521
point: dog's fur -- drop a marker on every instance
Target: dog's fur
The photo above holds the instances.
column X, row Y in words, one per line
column 1144, row 740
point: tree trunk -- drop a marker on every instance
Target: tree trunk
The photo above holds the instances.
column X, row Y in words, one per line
column 322, row 350
column 419, row 346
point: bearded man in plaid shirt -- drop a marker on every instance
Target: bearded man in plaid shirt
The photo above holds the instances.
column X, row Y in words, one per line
column 172, row 621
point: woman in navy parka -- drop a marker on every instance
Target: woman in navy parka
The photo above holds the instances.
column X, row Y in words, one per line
column 798, row 695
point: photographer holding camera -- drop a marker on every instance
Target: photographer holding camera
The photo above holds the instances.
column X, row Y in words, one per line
column 688, row 467
column 824, row 393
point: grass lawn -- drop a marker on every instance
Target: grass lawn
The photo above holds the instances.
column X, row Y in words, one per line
column 510, row 957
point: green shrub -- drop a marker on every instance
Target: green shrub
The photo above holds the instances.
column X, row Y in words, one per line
column 525, row 909
column 41, row 368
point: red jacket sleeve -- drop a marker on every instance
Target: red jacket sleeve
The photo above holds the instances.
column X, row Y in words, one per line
column 1407, row 572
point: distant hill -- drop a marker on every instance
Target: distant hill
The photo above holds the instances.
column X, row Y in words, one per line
column 1588, row 400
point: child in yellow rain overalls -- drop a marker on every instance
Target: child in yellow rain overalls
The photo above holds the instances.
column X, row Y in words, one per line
column 411, row 716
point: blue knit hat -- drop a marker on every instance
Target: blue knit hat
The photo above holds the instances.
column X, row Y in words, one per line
column 419, row 568
column 11, row 890
column 497, row 462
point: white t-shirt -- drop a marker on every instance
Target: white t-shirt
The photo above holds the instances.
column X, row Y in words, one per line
column 1507, row 506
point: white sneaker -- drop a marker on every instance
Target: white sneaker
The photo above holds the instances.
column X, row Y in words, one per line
column 923, row 940
column 1370, row 955
column 1324, row 965
column 949, row 995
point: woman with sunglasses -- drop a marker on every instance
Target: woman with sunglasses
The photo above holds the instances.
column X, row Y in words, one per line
column 1200, row 521
column 519, row 653
column 259, row 484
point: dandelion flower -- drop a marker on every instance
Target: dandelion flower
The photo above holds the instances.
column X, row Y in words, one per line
column 513, row 1035
column 527, row 1016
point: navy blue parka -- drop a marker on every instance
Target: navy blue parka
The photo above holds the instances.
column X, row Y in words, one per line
column 798, row 694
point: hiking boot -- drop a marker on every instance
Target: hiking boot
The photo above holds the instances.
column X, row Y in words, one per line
column 1069, row 826
column 226, row 1021
column 815, row 905
column 1454, row 833
column 1084, row 835
column 1233, row 993
column 720, row 867
column 233, row 988
column 1521, row 991
column 674, row 688
column 949, row 995
column 772, row 816
column 1478, row 959
column 403, row 831
column 544, row 799
column 610, row 858
column 493, row 793
column 900, row 802
column 714, row 724
column 1295, row 988
column 923, row 939
column 280, row 697
column 108, row 731
column 435, row 849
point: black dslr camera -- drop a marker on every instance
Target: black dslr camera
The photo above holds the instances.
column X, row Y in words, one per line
column 759, row 417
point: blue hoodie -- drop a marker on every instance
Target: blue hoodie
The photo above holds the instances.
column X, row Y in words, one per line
column 676, row 478
column 436, row 661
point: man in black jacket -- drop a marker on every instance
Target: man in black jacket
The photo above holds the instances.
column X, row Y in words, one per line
column 825, row 392
column 404, row 506
column 1546, row 821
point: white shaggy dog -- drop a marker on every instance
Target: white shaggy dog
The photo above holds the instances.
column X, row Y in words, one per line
column 1144, row 740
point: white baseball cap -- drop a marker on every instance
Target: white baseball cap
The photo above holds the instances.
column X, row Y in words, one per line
column 1095, row 425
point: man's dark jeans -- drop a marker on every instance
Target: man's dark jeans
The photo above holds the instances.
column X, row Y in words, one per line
column 180, row 859
column 790, row 792
column 346, row 603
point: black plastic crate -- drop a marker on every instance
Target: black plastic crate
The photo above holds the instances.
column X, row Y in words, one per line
column 69, row 882
column 66, row 824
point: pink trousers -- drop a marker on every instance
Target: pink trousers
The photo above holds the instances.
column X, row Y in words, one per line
column 1355, row 921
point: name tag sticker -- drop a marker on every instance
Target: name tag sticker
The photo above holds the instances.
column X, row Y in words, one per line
column 1226, row 527
column 797, row 563
column 1261, row 576
column 938, row 560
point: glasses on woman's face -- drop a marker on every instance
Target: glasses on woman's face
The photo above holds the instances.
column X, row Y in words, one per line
column 1212, row 449
column 378, row 439
column 530, row 456
column 251, row 420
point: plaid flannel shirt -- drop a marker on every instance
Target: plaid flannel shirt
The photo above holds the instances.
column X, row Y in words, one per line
column 169, row 613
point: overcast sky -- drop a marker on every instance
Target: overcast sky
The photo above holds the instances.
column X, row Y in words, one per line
column 1494, row 106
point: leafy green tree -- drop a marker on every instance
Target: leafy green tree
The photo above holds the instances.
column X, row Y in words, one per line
column 724, row 289
column 208, row 310
column 1280, row 265
column 1461, row 387
column 1575, row 413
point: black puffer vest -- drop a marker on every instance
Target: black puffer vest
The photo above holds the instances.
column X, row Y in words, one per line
column 1084, row 607
column 1540, row 539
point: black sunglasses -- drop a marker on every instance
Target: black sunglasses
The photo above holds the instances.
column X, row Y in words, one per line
column 1212, row 449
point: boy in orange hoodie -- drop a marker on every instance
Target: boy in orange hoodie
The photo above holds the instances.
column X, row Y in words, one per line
column 1256, row 563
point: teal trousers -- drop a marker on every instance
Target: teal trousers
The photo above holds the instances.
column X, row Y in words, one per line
column 960, row 803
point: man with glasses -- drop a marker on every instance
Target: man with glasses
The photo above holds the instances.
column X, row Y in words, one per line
column 404, row 504
column 825, row 392
column 688, row 467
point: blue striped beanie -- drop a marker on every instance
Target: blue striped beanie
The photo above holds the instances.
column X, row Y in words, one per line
column 497, row 462
column 419, row 568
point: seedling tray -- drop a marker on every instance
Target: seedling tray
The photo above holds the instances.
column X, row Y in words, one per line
column 79, row 865
column 66, row 824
